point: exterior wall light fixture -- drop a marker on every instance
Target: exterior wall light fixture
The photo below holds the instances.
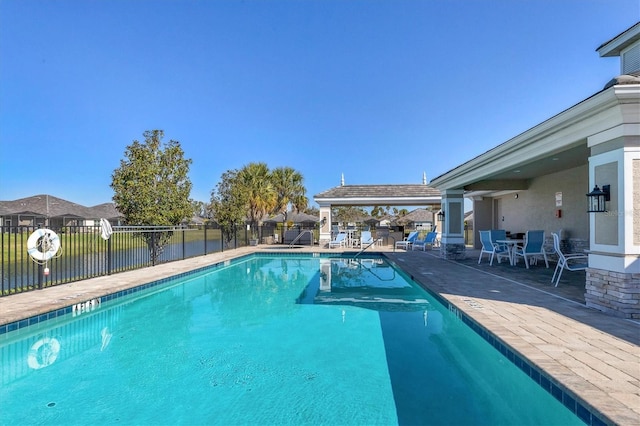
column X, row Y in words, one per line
column 597, row 198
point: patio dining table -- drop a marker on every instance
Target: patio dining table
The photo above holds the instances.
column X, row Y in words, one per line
column 511, row 247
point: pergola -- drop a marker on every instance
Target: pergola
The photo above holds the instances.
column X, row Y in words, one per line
column 372, row 195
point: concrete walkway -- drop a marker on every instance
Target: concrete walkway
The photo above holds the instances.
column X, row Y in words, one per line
column 594, row 356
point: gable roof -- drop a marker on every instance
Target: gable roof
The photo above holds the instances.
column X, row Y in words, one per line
column 105, row 210
column 49, row 206
column 417, row 215
column 620, row 42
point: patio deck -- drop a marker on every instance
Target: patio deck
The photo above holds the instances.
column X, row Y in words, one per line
column 592, row 355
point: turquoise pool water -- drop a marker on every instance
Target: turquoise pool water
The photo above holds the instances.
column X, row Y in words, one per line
column 265, row 341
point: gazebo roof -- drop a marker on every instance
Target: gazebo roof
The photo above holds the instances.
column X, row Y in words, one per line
column 369, row 195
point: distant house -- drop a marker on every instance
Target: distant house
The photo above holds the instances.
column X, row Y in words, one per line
column 53, row 212
column 195, row 220
column 297, row 219
column 418, row 219
column 468, row 220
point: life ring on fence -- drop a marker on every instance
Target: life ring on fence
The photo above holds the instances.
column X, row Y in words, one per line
column 36, row 251
column 105, row 229
column 43, row 353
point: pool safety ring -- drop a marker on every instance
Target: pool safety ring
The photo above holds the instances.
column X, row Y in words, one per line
column 43, row 353
column 43, row 244
column 105, row 229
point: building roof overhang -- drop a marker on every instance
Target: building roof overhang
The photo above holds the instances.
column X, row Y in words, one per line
column 620, row 42
column 559, row 143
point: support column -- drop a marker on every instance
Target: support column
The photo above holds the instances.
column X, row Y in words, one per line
column 325, row 225
column 452, row 242
column 613, row 275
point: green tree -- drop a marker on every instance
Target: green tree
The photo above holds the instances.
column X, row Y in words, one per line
column 151, row 187
column 289, row 188
column 348, row 213
column 228, row 204
column 312, row 210
column 378, row 211
column 256, row 185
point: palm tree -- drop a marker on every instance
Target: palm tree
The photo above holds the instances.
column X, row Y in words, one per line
column 256, row 183
column 289, row 188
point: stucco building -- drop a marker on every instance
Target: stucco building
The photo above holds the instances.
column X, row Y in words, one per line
column 540, row 178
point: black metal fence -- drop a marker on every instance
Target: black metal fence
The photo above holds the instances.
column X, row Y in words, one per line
column 85, row 254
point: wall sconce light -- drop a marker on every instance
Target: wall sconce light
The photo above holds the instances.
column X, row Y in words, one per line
column 596, row 199
column 323, row 221
column 441, row 215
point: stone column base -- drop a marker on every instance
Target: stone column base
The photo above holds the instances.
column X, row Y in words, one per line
column 453, row 251
column 615, row 293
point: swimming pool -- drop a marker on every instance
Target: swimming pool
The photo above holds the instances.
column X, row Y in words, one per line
column 287, row 339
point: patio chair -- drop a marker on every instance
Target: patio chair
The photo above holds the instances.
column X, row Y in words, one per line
column 570, row 262
column 406, row 243
column 498, row 234
column 494, row 249
column 339, row 241
column 428, row 241
column 335, row 230
column 366, row 239
column 533, row 247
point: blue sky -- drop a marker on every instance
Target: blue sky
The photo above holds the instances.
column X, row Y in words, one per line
column 381, row 91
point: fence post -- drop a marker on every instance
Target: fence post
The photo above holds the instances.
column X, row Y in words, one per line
column 183, row 246
column 40, row 272
column 205, row 239
column 235, row 236
column 109, row 256
column 153, row 248
column 40, row 277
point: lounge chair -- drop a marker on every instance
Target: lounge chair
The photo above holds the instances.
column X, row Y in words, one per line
column 366, row 239
column 570, row 262
column 533, row 247
column 492, row 248
column 406, row 243
column 340, row 240
column 335, row 230
column 428, row 241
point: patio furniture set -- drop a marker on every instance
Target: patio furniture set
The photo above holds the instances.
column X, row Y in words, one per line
column 414, row 242
column 351, row 237
column 530, row 248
